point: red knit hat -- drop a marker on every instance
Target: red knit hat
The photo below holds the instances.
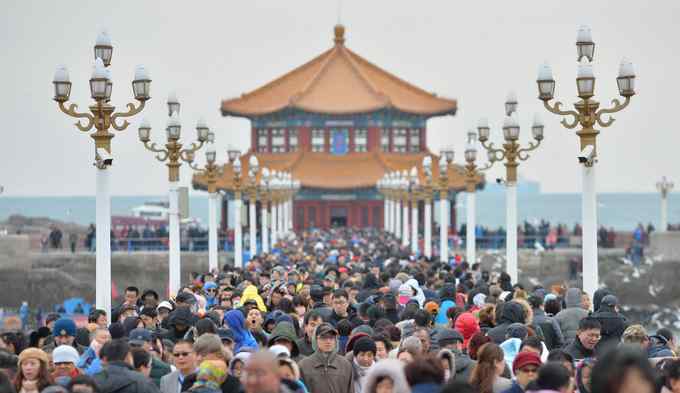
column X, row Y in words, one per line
column 524, row 359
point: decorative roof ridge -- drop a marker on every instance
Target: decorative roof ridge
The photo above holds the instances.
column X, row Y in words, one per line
column 397, row 79
column 322, row 70
column 281, row 78
column 379, row 94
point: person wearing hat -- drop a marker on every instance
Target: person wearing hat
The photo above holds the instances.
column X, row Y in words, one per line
column 32, row 374
column 284, row 334
column 64, row 332
column 525, row 367
column 636, row 335
column 227, row 338
column 452, row 340
column 363, row 358
column 65, row 359
column 143, row 338
column 326, row 371
column 612, row 322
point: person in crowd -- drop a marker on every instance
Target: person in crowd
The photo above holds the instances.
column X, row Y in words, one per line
column 468, row 326
column 118, row 375
column 383, row 346
column 364, row 352
column 525, row 367
column 83, row 384
column 90, row 361
column 142, row 338
column 185, row 365
column 314, row 369
column 209, row 347
column 511, row 312
column 425, row 374
column 452, row 340
column 311, row 320
column 552, row 332
column 98, row 317
column 340, row 307
column 260, row 374
column 141, row 361
column 386, row 376
column 552, row 378
column 558, row 355
column 671, row 377
column 448, row 363
column 65, row 358
column 636, row 335
column 623, row 370
column 584, row 372
column 32, row 374
column 284, row 334
column 587, row 337
column 243, row 338
column 210, row 376
column 569, row 318
column 612, row 323
column 486, row 375
column 64, row 333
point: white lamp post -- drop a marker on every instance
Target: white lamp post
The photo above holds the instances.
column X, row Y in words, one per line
column 253, row 169
column 414, row 184
column 238, row 230
column 512, row 153
column 101, row 118
column 427, row 169
column 396, row 186
column 587, row 113
column 264, row 209
column 405, row 213
column 664, row 186
column 444, row 206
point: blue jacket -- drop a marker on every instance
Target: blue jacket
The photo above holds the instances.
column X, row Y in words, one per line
column 242, row 336
column 441, row 318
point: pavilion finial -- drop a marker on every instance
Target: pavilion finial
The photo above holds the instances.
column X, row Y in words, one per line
column 339, row 34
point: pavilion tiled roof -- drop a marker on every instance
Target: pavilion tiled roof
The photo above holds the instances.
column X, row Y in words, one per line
column 350, row 171
column 338, row 82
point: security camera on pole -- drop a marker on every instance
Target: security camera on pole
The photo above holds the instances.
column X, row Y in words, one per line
column 102, row 118
column 587, row 114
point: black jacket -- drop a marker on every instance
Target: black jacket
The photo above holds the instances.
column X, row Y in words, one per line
column 120, row 377
column 613, row 325
column 578, row 351
column 512, row 313
column 230, row 385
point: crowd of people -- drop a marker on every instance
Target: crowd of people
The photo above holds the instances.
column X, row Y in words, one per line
column 346, row 311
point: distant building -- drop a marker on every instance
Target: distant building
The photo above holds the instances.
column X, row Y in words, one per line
column 338, row 123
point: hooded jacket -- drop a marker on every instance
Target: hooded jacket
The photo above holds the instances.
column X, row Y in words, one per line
column 181, row 316
column 327, row 373
column 420, row 295
column 659, row 348
column 447, row 295
column 451, row 358
column 512, row 312
column 250, row 293
column 119, row 377
column 464, row 366
column 467, row 325
column 613, row 325
column 578, row 351
column 242, row 336
column 551, row 329
column 391, row 368
column 598, row 296
column 569, row 318
column 285, row 330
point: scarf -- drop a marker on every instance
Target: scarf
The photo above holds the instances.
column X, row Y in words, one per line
column 211, row 374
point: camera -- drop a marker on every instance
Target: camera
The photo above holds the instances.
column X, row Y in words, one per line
column 103, row 157
column 587, row 155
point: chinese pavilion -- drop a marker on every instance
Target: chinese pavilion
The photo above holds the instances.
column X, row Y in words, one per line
column 338, row 123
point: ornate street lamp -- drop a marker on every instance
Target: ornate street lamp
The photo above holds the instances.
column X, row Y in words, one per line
column 173, row 154
column 512, row 153
column 587, row 113
column 102, row 117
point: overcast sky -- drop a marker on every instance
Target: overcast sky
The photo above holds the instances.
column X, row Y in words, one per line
column 206, row 51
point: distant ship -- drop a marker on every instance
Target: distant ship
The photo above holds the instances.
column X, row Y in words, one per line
column 152, row 214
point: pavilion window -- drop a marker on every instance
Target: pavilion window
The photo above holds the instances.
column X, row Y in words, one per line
column 414, row 140
column 278, row 140
column 318, row 140
column 292, row 140
column 385, row 140
column 399, row 142
column 361, row 140
column 262, row 140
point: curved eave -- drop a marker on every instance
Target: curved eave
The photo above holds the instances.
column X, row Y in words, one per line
column 451, row 110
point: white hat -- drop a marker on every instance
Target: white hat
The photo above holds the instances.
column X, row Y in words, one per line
column 279, row 351
column 65, row 354
column 165, row 304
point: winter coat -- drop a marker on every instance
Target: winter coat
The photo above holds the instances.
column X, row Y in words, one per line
column 304, row 346
column 613, row 325
column 515, row 388
column 120, row 377
column 392, row 368
column 49, row 348
column 250, row 293
column 451, row 358
column 510, row 349
column 322, row 373
column 467, row 325
column 285, row 330
column 659, row 348
column 512, row 312
column 501, row 384
column 181, row 316
column 159, row 369
column 552, row 333
column 242, row 336
column 578, row 351
column 464, row 366
column 420, row 295
column 569, row 318
column 598, row 296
